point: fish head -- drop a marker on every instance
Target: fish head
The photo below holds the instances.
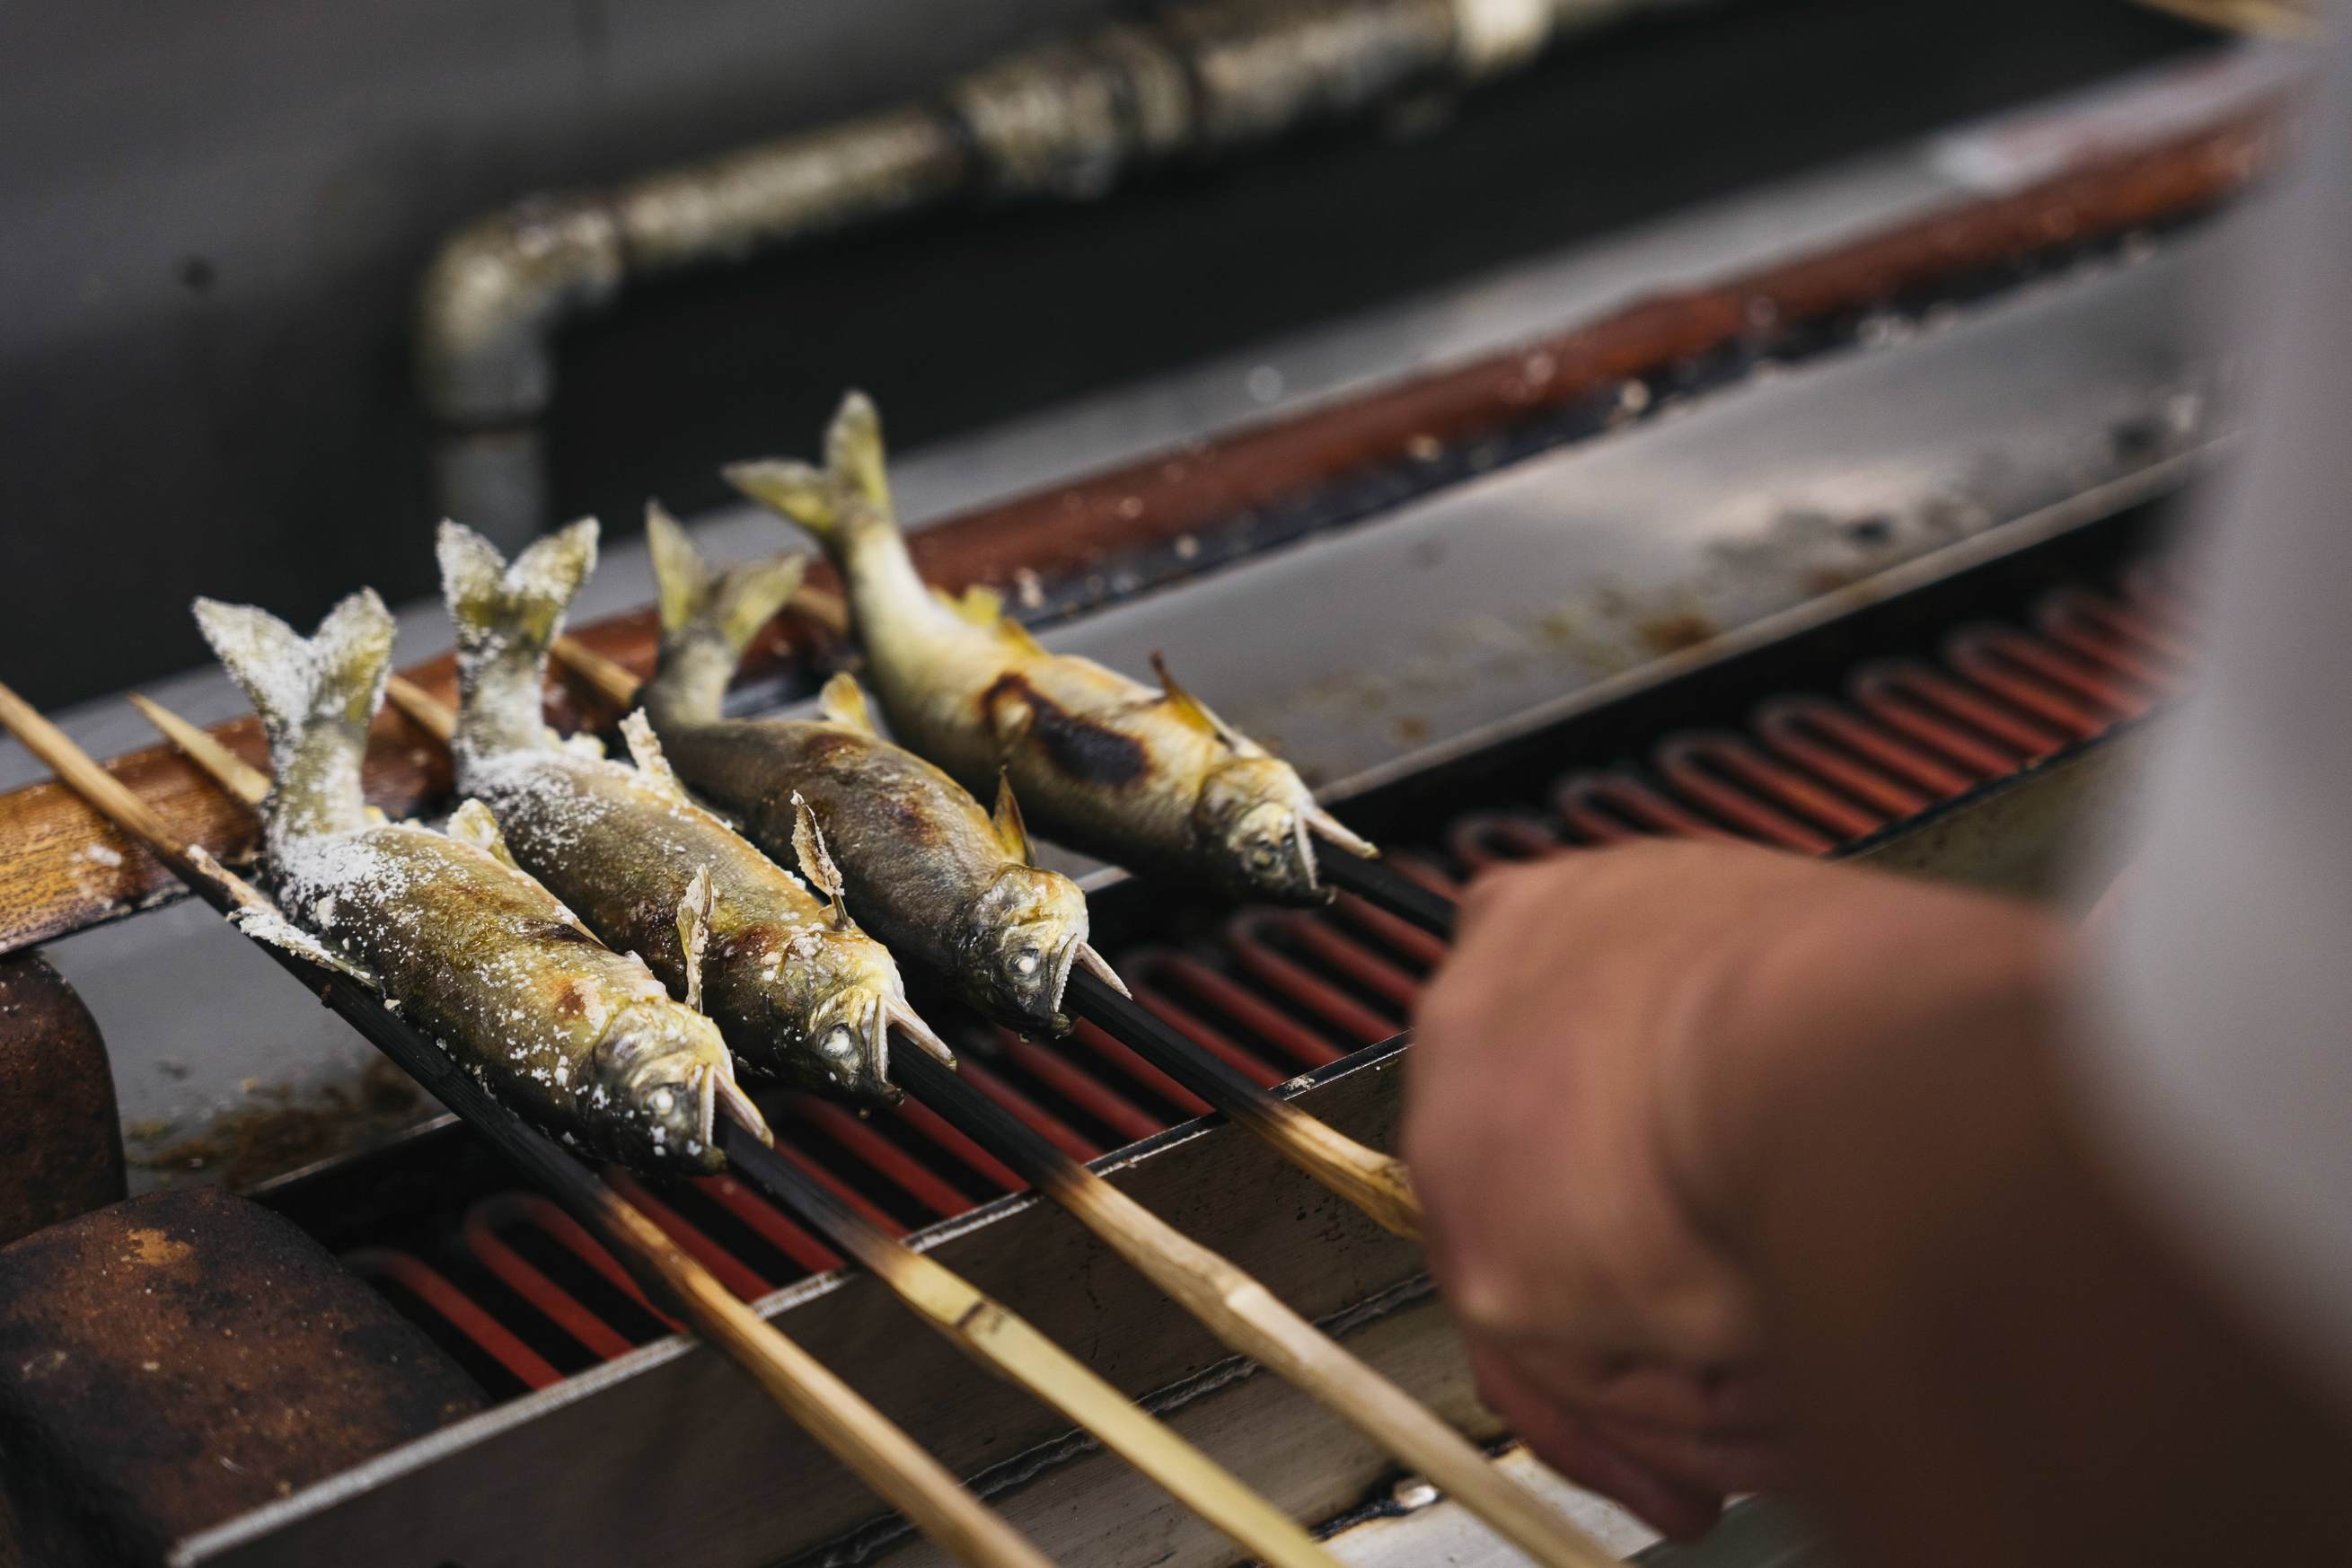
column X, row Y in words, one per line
column 1252, row 818
column 847, row 993
column 658, row 1082
column 1026, row 932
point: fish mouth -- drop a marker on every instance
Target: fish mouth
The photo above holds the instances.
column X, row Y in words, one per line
column 1095, row 964
column 878, row 1054
column 1063, row 957
column 1340, row 833
column 910, row 1023
column 721, row 1091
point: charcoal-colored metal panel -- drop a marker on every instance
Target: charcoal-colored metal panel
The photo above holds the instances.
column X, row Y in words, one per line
column 60, row 1144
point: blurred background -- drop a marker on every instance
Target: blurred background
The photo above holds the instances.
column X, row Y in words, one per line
column 217, row 218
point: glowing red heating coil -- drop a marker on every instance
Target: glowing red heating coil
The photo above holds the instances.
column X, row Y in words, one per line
column 2111, row 634
column 1941, row 713
column 1133, row 1068
column 731, row 1271
column 926, row 1122
column 1090, row 1094
column 435, row 1292
column 1397, row 935
column 1057, row 1132
column 1319, row 937
column 1162, row 971
column 1585, row 802
column 541, row 1215
column 761, row 1217
column 1296, row 988
column 2023, row 674
column 1489, row 838
column 1860, row 758
column 1684, row 766
column 1246, row 938
column 480, row 1232
column 879, row 1155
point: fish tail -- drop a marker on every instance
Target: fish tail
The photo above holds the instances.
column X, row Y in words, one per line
column 834, row 503
column 505, row 615
column 708, row 616
column 316, row 696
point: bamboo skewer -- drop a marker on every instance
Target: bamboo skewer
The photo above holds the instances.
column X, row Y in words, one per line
column 833, row 1412
column 1008, row 1344
column 980, row 1326
column 1235, row 1307
column 1384, row 887
column 1373, row 1182
column 1247, row 1317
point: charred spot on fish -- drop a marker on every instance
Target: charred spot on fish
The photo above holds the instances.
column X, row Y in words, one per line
column 552, row 931
column 570, row 1000
column 1079, row 747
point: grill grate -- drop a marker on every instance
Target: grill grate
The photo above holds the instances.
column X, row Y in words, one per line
column 526, row 1298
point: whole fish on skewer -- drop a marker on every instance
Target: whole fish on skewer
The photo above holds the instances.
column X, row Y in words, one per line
column 924, row 865
column 797, row 989
column 1150, row 779
column 580, row 1040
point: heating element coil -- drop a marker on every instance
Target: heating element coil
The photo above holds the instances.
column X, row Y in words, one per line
column 526, row 1298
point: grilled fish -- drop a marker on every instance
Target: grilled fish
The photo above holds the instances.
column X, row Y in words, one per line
column 1148, row 778
column 923, row 865
column 799, row 992
column 577, row 1038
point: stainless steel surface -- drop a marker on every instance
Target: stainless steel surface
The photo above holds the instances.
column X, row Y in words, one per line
column 1063, row 119
column 1589, row 572
column 154, row 981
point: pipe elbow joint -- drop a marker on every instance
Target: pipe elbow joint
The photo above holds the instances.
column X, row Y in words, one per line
column 489, row 303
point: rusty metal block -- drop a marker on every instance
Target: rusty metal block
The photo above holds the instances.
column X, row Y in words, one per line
column 61, row 1140
column 173, row 1360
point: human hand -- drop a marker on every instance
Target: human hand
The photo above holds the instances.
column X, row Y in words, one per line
column 1594, row 1070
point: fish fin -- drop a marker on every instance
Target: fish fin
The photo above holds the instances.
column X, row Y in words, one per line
column 816, row 862
column 1011, row 831
column 732, row 604
column 801, row 491
column 854, row 453
column 225, row 767
column 1189, row 710
column 505, row 615
column 645, row 751
column 474, row 823
column 1330, row 826
column 694, row 932
column 266, row 923
column 853, row 485
column 843, row 701
column 979, row 604
column 681, row 576
column 315, row 696
column 982, row 607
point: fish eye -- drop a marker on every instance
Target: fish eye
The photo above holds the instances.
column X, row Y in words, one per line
column 662, row 1102
column 840, row 1043
column 1028, row 962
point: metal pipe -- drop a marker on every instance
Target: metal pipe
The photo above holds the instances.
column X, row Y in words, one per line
column 1064, row 120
